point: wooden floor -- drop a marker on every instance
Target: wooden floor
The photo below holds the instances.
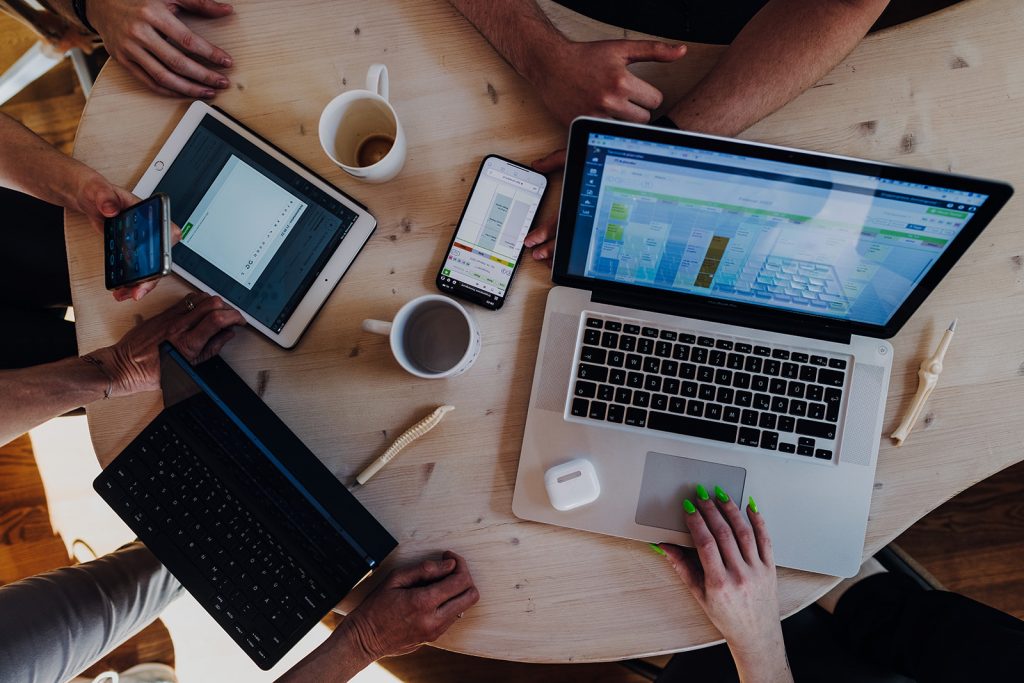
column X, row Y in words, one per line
column 53, row 104
column 973, row 544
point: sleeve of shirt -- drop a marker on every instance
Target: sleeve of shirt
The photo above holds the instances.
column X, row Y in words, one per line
column 55, row 625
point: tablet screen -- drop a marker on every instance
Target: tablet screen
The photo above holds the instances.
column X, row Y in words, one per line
column 251, row 229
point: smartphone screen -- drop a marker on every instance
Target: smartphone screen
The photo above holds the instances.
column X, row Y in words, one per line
column 135, row 248
column 488, row 241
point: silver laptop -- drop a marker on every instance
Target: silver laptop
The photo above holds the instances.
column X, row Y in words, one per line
column 721, row 319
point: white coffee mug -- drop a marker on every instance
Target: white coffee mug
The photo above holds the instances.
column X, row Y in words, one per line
column 432, row 337
column 356, row 127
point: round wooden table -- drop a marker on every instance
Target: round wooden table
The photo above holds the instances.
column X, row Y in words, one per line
column 945, row 92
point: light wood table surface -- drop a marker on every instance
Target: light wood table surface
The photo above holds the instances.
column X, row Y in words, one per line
column 945, row 92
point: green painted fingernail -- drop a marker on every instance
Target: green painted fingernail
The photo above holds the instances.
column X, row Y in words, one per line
column 656, row 548
column 702, row 492
column 721, row 494
column 752, row 504
column 688, row 506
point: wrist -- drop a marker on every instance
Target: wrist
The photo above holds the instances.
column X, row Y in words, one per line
column 546, row 49
column 340, row 658
column 355, row 650
column 105, row 361
column 83, row 381
column 765, row 661
column 70, row 185
column 99, row 365
column 775, row 670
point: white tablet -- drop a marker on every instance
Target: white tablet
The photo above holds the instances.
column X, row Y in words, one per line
column 258, row 229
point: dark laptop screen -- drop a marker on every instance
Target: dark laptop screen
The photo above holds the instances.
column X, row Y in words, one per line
column 752, row 230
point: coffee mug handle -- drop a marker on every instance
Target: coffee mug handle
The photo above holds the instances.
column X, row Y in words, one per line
column 377, row 80
column 377, row 327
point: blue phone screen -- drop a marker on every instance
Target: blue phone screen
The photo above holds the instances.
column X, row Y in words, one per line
column 133, row 243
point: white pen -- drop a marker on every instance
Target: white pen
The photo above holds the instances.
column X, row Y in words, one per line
column 928, row 377
column 407, row 437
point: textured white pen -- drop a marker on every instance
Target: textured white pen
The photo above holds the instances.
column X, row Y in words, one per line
column 928, row 377
column 407, row 437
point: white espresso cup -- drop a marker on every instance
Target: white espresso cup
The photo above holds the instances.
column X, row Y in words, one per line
column 432, row 336
column 360, row 132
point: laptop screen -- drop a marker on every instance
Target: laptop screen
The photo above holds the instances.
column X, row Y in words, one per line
column 775, row 234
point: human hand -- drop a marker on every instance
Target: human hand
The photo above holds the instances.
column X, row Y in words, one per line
column 151, row 42
column 198, row 326
column 99, row 199
column 733, row 577
column 414, row 605
column 591, row 78
column 542, row 238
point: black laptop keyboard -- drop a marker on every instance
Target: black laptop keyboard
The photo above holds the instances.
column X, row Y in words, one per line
column 726, row 389
column 263, row 593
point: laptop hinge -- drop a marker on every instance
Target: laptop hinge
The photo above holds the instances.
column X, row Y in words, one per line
column 727, row 315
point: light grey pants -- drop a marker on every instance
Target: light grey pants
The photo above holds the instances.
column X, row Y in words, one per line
column 55, row 625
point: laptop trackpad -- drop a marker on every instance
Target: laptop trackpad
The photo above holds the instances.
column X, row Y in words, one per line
column 668, row 479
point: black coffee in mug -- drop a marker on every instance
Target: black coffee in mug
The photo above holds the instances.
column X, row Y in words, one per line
column 373, row 149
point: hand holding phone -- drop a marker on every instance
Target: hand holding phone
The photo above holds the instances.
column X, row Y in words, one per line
column 137, row 243
column 541, row 238
column 484, row 252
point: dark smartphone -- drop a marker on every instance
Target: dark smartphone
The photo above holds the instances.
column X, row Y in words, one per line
column 137, row 243
column 488, row 241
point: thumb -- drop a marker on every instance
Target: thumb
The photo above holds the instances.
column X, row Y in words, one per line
column 542, row 233
column 552, row 162
column 107, row 202
column 652, row 51
column 207, row 8
column 687, row 569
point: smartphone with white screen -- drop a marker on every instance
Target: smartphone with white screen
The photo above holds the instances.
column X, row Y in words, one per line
column 485, row 249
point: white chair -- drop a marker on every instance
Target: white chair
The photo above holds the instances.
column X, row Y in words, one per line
column 59, row 39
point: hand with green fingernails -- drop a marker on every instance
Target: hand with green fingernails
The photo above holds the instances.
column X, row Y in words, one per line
column 731, row 574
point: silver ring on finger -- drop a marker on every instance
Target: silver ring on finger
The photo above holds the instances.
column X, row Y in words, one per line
column 189, row 304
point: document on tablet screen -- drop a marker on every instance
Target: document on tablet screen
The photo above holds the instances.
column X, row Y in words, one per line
column 252, row 230
column 241, row 221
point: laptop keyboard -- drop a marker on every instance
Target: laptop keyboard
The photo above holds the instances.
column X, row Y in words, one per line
column 726, row 389
column 236, row 567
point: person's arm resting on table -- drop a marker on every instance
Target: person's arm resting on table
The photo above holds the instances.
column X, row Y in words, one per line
column 149, row 40
column 781, row 52
column 572, row 78
column 30, row 396
column 412, row 606
column 784, row 50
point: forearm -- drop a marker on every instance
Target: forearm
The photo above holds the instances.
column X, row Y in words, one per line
column 785, row 49
column 64, row 9
column 340, row 658
column 59, row 623
column 765, row 664
column 518, row 29
column 31, row 396
column 31, row 165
